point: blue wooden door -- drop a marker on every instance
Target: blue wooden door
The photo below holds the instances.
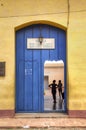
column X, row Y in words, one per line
column 30, row 66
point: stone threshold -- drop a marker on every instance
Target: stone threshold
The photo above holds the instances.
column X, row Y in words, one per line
column 41, row 115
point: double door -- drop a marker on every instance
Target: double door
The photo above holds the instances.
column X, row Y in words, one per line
column 30, row 65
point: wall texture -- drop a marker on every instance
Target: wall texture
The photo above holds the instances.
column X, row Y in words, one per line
column 54, row 72
column 69, row 15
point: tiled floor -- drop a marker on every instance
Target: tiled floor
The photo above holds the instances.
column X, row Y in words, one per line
column 48, row 102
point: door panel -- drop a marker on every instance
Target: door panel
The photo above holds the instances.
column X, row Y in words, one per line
column 31, row 86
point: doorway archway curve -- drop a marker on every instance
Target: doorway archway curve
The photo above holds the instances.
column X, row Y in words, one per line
column 54, row 24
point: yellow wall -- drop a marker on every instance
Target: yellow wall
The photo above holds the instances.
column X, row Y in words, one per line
column 76, row 55
column 15, row 14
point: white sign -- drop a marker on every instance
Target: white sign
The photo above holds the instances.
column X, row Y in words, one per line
column 33, row 43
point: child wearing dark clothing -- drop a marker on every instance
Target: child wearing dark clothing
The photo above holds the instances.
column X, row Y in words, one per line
column 60, row 88
column 53, row 87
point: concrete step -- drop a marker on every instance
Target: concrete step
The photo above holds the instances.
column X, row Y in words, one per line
column 41, row 115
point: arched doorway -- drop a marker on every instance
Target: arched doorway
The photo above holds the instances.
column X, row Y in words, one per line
column 30, row 64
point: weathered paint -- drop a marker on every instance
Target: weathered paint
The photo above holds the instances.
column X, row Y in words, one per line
column 30, row 65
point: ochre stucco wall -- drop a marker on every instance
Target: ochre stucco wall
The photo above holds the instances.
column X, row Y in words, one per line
column 17, row 14
column 76, row 46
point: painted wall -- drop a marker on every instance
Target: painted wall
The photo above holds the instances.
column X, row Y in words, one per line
column 54, row 72
column 69, row 16
column 76, row 56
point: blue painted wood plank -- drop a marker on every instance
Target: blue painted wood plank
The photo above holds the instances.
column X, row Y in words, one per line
column 62, row 45
column 45, row 34
column 54, row 53
column 28, row 72
column 36, row 86
column 28, row 86
column 36, row 73
column 28, row 52
column 19, row 71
